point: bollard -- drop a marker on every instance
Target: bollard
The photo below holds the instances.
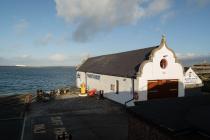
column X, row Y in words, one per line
column 100, row 95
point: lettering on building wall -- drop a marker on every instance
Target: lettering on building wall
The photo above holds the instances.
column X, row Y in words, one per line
column 94, row 76
column 191, row 80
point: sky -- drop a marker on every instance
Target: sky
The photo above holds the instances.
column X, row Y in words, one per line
column 65, row 32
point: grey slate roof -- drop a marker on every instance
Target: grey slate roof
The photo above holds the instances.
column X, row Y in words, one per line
column 124, row 64
column 186, row 68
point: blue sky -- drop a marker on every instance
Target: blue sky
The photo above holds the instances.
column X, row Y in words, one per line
column 63, row 32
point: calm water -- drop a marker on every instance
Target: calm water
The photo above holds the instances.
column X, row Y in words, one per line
column 18, row 80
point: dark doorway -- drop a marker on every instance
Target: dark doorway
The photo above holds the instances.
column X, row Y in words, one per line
column 117, row 86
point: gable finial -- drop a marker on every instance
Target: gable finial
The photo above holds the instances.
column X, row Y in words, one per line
column 163, row 40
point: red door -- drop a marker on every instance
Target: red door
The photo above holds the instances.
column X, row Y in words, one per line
column 162, row 89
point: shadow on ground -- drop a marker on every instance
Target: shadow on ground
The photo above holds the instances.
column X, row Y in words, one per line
column 83, row 117
column 11, row 117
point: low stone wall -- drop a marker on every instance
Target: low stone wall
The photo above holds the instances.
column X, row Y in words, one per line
column 140, row 129
column 206, row 86
column 193, row 91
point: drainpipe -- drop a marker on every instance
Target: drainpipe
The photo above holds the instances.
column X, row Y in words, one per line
column 132, row 82
column 86, row 81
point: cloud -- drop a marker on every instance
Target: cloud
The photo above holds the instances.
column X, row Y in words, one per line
column 193, row 58
column 57, row 57
column 63, row 40
column 23, row 60
column 25, row 56
column 4, row 61
column 167, row 16
column 94, row 16
column 45, row 40
column 200, row 3
column 49, row 38
column 157, row 6
column 51, row 60
column 21, row 26
column 187, row 55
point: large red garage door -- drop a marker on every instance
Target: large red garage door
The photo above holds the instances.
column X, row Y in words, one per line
column 162, row 89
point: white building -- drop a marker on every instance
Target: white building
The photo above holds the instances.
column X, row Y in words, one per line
column 191, row 79
column 137, row 75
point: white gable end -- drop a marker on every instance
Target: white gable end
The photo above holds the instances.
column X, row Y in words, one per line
column 191, row 78
column 151, row 70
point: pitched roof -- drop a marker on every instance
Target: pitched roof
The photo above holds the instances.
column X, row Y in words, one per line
column 186, row 68
column 124, row 64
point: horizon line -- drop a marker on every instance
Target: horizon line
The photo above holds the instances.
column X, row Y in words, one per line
column 36, row 66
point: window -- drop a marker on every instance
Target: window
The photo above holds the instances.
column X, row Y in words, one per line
column 163, row 63
column 112, row 87
column 93, row 76
column 78, row 75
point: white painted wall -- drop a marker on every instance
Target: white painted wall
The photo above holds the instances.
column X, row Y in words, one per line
column 80, row 78
column 153, row 71
column 125, row 86
column 191, row 78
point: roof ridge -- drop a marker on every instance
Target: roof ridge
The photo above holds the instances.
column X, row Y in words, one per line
column 123, row 64
column 123, row 52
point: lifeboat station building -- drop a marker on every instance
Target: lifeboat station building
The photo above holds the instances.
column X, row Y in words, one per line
column 133, row 76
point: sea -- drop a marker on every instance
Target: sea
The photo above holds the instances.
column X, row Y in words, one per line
column 21, row 80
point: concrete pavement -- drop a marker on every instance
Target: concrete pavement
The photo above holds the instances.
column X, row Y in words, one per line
column 84, row 118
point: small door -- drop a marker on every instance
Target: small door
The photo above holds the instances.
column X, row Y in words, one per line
column 117, row 86
column 162, row 89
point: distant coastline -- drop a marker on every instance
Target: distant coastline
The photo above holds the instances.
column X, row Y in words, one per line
column 20, row 65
